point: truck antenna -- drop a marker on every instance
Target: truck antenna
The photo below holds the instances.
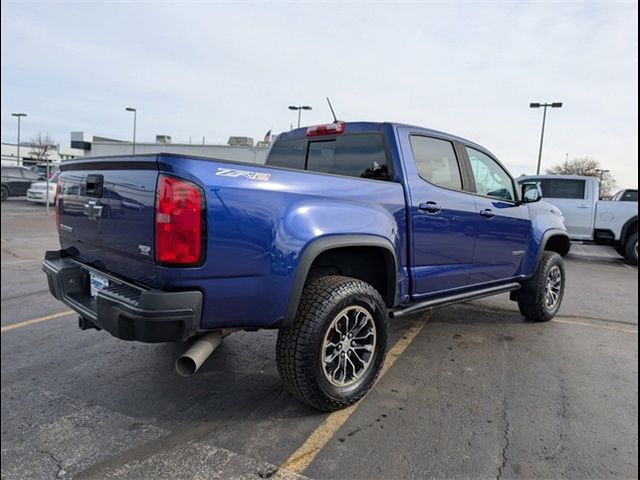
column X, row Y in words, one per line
column 332, row 112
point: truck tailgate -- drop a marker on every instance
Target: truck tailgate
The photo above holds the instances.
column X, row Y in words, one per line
column 107, row 214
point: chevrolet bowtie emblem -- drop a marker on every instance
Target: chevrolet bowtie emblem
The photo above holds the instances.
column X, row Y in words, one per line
column 93, row 211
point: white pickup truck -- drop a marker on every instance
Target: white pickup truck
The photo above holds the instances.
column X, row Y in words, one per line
column 586, row 217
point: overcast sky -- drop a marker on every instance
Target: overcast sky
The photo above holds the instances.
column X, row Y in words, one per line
column 216, row 69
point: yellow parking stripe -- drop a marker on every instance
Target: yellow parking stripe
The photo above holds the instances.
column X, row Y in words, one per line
column 307, row 452
column 602, row 327
column 13, row 326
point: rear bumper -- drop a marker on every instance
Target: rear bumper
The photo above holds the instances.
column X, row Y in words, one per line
column 124, row 310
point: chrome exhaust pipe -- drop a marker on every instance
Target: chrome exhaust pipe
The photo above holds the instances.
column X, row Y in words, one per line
column 190, row 361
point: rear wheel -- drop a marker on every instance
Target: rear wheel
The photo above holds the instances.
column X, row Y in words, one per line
column 331, row 356
column 540, row 297
column 5, row 193
column 631, row 248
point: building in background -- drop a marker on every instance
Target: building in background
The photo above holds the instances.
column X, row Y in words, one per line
column 239, row 149
column 31, row 155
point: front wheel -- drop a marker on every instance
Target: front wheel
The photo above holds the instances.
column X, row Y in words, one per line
column 540, row 297
column 631, row 248
column 332, row 355
column 5, row 193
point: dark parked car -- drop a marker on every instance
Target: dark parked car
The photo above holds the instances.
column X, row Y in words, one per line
column 17, row 180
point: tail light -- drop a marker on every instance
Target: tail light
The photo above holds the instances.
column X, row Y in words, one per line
column 179, row 222
column 328, row 129
column 56, row 203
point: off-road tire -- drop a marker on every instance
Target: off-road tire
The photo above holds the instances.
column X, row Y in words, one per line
column 631, row 249
column 299, row 347
column 532, row 296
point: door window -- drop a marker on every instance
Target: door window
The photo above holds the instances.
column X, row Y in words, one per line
column 490, row 178
column 562, row 188
column 436, row 161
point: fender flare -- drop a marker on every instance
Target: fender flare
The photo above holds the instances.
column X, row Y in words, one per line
column 316, row 247
column 543, row 243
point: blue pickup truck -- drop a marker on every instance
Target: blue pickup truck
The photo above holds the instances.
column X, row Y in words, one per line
column 346, row 227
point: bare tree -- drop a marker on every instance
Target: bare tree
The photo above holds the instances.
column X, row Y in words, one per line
column 588, row 167
column 41, row 145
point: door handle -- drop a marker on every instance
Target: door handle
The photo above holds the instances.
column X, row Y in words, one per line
column 584, row 206
column 430, row 207
column 487, row 213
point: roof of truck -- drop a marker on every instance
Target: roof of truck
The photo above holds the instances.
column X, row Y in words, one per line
column 364, row 126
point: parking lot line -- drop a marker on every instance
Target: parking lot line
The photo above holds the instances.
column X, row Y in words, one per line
column 13, row 326
column 603, row 327
column 307, row 452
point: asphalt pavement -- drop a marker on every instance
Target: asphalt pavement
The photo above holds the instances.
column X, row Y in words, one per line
column 471, row 391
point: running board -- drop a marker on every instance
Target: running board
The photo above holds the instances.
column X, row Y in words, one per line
column 452, row 299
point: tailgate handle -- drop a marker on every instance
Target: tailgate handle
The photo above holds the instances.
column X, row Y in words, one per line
column 95, row 184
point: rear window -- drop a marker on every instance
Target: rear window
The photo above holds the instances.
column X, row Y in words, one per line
column 560, row 188
column 288, row 154
column 358, row 155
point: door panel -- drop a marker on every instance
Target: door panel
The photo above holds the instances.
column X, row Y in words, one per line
column 441, row 236
column 442, row 241
column 501, row 240
column 502, row 226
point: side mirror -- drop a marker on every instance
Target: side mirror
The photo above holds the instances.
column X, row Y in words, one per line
column 530, row 193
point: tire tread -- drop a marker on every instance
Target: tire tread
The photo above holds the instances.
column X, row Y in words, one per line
column 531, row 296
column 293, row 355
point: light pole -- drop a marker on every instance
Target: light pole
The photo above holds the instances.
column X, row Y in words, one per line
column 19, row 115
column 544, row 118
column 299, row 108
column 135, row 115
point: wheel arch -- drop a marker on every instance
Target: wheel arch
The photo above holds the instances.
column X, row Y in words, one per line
column 336, row 247
column 555, row 240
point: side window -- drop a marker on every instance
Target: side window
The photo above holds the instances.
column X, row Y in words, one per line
column 562, row 188
column 359, row 155
column 630, row 196
column 436, row 161
column 490, row 178
column 288, row 154
column 31, row 175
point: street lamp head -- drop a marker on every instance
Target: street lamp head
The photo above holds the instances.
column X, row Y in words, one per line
column 306, row 107
column 534, row 105
column 130, row 109
column 18, row 114
column 293, row 107
column 556, row 105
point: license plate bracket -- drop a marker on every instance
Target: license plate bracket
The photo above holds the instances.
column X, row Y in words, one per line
column 96, row 283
